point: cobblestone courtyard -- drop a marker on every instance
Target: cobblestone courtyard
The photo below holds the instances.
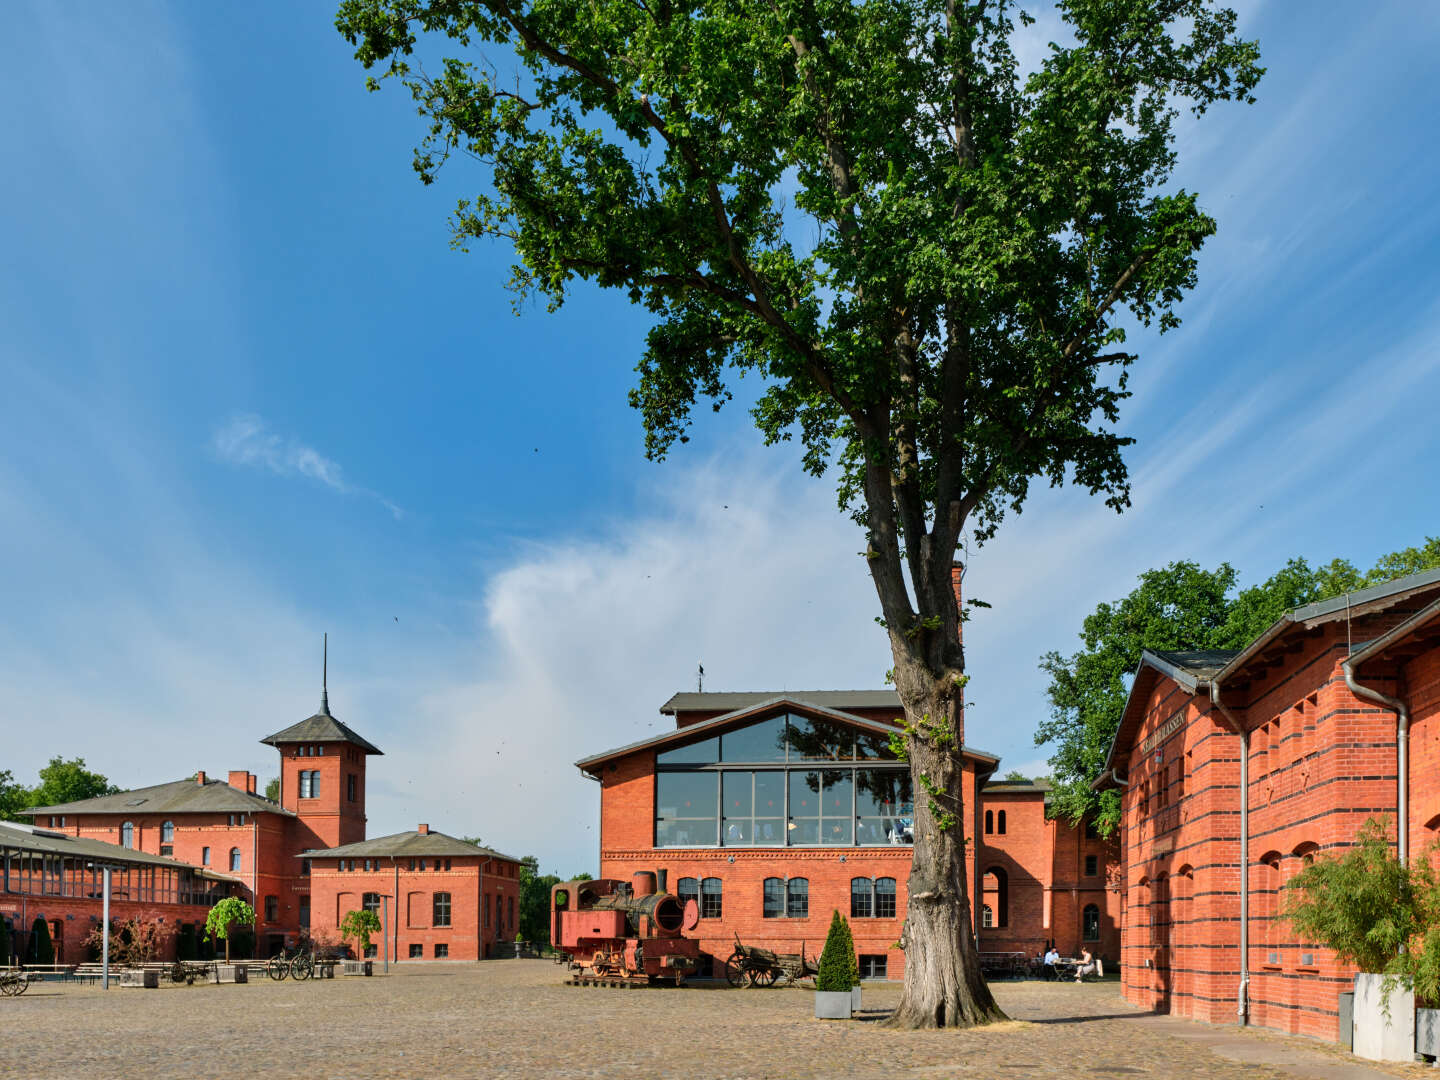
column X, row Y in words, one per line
column 514, row 1018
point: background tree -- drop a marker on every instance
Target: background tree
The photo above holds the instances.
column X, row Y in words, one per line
column 272, row 789
column 41, row 949
column 64, row 781
column 1175, row 608
column 535, row 901
column 135, row 941
column 227, row 920
column 13, row 797
column 358, row 926
column 926, row 256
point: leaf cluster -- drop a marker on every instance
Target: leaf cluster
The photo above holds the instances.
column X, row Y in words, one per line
column 61, row 781
column 1178, row 607
column 230, row 915
column 359, row 926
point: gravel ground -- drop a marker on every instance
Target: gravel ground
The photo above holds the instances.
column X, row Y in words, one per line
column 516, row 1018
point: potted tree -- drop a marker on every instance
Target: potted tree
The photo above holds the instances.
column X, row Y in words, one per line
column 1383, row 917
column 359, row 925
column 833, row 981
column 854, row 965
column 224, row 920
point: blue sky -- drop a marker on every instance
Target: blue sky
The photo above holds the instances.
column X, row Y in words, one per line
column 248, row 394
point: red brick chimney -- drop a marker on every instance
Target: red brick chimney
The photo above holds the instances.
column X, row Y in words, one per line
column 251, row 788
column 241, row 780
column 423, row 830
column 200, row 778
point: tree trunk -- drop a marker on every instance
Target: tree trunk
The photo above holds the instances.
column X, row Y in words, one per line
column 943, row 984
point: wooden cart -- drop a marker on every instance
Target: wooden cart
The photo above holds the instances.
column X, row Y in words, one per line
column 14, row 983
column 752, row 966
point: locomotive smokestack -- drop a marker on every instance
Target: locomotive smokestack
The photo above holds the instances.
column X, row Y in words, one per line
column 643, row 883
column 660, row 879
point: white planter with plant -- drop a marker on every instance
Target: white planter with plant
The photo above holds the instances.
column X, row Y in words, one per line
column 834, row 982
column 1383, row 917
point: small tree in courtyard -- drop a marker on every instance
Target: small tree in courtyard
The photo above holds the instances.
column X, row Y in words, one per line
column 133, row 942
column 42, row 949
column 837, row 958
column 358, row 926
column 226, row 918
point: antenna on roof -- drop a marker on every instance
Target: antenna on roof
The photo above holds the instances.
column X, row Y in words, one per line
column 325, row 677
column 700, row 680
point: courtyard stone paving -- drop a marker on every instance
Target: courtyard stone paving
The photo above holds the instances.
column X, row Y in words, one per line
column 515, row 1018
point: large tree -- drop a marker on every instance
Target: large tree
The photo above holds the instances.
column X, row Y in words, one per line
column 926, row 255
column 1177, row 607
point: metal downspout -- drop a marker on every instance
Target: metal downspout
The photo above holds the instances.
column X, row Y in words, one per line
column 1243, row 994
column 1402, row 751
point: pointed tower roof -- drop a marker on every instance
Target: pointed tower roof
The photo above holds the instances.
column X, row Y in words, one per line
column 322, row 727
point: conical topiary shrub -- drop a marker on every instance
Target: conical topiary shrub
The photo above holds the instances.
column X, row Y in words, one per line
column 42, row 949
column 850, row 950
column 836, row 958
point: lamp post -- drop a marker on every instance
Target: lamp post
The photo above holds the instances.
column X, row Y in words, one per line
column 385, row 930
column 105, row 870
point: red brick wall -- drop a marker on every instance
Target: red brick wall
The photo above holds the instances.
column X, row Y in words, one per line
column 336, row 892
column 78, row 917
column 333, row 818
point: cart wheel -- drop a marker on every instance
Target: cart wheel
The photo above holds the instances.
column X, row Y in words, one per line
column 735, row 971
column 12, row 987
column 302, row 967
column 278, row 968
column 761, row 976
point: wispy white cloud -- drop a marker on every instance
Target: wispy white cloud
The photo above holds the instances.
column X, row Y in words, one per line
column 246, row 440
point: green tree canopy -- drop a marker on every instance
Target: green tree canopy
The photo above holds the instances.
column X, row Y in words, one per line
column 229, row 919
column 64, row 781
column 926, row 257
column 1178, row 607
column 359, row 926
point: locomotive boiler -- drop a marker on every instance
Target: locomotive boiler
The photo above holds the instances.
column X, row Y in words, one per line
column 621, row 931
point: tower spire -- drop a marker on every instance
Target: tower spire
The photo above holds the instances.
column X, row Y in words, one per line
column 325, row 677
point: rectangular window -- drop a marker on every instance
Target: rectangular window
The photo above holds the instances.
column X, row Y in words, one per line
column 272, row 909
column 442, row 951
column 350, row 786
column 686, row 806
column 204, row 856
column 1092, row 865
column 754, row 808
column 821, row 808
column 417, row 952
column 885, row 898
column 862, row 898
column 442, row 909
column 487, row 911
column 872, row 966
column 884, row 807
column 167, row 849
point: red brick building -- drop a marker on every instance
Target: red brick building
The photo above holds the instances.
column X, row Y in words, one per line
column 269, row 848
column 1238, row 768
column 455, row 901
column 772, row 810
column 59, row 877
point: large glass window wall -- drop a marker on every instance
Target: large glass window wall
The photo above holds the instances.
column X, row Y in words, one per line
column 706, row 796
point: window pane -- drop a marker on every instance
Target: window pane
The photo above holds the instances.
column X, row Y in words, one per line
column 873, row 746
column 797, row 898
column 820, row 740
column 805, row 794
column 685, row 795
column 884, row 806
column 860, row 898
column 774, row 898
column 766, row 832
column 764, row 741
column 705, row 752
column 838, row 826
column 696, row 833
column 885, row 898
column 737, row 791
column 688, row 888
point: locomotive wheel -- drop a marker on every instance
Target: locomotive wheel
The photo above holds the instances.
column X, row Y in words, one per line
column 302, row 967
column 278, row 968
column 761, row 976
column 735, row 971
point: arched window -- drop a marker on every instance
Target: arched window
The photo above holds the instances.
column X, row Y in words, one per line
column 127, row 834
column 1090, row 923
column 989, row 822
column 371, row 902
column 774, row 898
column 797, row 898
column 234, row 858
column 688, row 888
column 1265, row 902
column 711, row 895
column 987, row 917
column 1000, row 824
column 167, row 833
column 996, row 893
column 862, row 898
column 885, row 898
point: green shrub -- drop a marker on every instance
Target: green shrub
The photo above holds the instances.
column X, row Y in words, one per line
column 837, row 958
column 850, row 951
column 42, row 949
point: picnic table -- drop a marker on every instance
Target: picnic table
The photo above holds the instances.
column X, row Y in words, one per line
column 1014, row 965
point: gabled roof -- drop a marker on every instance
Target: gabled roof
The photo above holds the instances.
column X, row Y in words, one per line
column 176, row 797
column 1415, row 633
column 731, row 700
column 1017, row 787
column 408, row 844
column 31, row 838
column 754, row 711
column 322, row 727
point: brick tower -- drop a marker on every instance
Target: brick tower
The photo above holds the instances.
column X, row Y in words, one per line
column 322, row 775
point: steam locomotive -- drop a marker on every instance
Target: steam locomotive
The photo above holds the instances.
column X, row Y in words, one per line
column 621, row 931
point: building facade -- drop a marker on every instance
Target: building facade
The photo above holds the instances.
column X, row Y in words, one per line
column 1237, row 769
column 772, row 811
column 268, row 850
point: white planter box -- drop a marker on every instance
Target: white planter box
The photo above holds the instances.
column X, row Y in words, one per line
column 1427, row 1032
column 832, row 1004
column 231, row 973
column 855, row 999
column 1378, row 1037
column 357, row 967
column 149, row 980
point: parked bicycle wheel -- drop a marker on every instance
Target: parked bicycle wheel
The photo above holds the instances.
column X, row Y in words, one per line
column 278, row 967
column 302, row 967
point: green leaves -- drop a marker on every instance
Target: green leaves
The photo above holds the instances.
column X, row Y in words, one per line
column 358, row 926
column 228, row 914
